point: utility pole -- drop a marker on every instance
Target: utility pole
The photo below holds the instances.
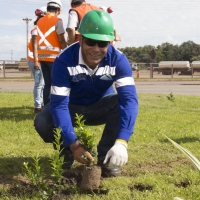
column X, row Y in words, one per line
column 152, row 55
column 27, row 21
column 11, row 55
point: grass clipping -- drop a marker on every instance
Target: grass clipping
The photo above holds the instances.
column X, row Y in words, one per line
column 188, row 154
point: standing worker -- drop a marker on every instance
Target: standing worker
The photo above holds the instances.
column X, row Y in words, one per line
column 81, row 79
column 78, row 9
column 38, row 81
column 49, row 43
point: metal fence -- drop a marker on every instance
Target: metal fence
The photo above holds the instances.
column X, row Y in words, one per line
column 152, row 71
column 10, row 69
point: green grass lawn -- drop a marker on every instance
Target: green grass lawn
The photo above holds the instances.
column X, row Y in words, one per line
column 156, row 169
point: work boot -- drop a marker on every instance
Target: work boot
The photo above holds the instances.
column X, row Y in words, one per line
column 68, row 158
column 108, row 171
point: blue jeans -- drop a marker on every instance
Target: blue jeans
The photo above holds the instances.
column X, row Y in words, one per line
column 38, row 87
column 46, row 70
column 105, row 111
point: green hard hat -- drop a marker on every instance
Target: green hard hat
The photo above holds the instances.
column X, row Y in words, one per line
column 97, row 25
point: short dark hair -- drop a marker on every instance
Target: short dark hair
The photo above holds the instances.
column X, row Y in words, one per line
column 52, row 8
column 77, row 2
column 35, row 22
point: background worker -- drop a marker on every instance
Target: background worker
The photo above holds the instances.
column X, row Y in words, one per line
column 78, row 9
column 39, row 81
column 49, row 43
column 82, row 76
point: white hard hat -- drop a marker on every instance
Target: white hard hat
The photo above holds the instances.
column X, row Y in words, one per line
column 55, row 3
column 43, row 9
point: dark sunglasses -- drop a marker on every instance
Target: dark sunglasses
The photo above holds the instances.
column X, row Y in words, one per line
column 91, row 43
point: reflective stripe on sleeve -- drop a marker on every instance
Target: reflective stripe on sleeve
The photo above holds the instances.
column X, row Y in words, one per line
column 125, row 81
column 62, row 91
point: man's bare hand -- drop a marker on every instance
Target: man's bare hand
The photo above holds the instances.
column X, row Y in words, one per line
column 36, row 66
column 80, row 154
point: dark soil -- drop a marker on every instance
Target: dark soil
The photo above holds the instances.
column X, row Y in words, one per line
column 141, row 187
column 20, row 186
column 183, row 184
column 91, row 177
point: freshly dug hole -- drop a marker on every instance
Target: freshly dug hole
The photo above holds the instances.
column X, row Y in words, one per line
column 91, row 177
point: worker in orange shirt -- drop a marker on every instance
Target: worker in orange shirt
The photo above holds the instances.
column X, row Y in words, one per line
column 37, row 73
column 78, row 9
column 49, row 43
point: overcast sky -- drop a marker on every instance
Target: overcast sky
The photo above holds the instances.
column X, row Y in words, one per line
column 138, row 22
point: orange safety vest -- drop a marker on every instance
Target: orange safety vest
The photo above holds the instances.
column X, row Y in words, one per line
column 30, row 51
column 48, row 44
column 81, row 11
column 30, row 48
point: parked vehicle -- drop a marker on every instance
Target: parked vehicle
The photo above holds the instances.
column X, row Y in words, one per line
column 195, row 65
column 134, row 66
column 23, row 65
column 169, row 67
column 11, row 65
column 154, row 66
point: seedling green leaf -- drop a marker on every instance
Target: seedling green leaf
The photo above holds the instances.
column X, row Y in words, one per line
column 85, row 137
column 171, row 97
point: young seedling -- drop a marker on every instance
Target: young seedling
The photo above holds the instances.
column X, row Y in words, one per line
column 84, row 136
column 56, row 160
column 35, row 174
column 91, row 173
column 37, row 177
column 171, row 97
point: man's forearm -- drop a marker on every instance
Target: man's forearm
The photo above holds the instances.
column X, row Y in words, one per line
column 35, row 54
column 71, row 36
column 34, row 46
column 62, row 41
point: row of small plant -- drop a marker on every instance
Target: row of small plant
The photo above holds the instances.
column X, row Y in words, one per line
column 37, row 177
column 36, row 174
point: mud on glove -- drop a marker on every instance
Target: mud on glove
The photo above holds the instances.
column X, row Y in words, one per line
column 117, row 155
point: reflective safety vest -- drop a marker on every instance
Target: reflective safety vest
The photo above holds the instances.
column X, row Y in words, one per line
column 30, row 51
column 30, row 48
column 81, row 11
column 48, row 44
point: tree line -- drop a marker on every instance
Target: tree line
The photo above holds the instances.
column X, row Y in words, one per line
column 187, row 51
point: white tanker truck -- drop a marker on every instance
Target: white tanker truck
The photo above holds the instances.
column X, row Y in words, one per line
column 182, row 67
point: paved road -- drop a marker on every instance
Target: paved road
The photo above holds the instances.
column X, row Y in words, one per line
column 21, row 86
column 167, row 87
column 157, row 87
